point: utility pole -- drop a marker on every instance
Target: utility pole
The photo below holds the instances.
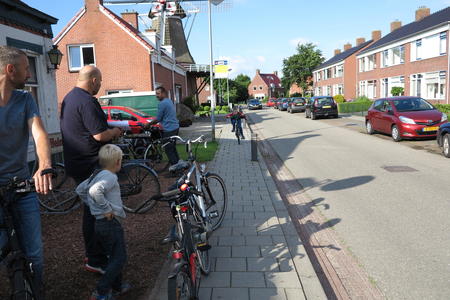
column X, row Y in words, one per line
column 211, row 76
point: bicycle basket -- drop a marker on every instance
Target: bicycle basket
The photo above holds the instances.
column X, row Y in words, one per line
column 155, row 133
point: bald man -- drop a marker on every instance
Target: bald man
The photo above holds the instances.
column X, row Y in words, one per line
column 84, row 130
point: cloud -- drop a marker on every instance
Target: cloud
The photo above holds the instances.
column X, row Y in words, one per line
column 261, row 58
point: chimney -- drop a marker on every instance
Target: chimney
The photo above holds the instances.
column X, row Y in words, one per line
column 131, row 18
column 395, row 25
column 347, row 46
column 337, row 51
column 422, row 12
column 92, row 4
column 360, row 40
column 258, row 71
column 376, row 35
column 275, row 73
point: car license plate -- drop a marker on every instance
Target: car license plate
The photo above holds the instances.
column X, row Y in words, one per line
column 298, row 104
column 326, row 106
column 430, row 128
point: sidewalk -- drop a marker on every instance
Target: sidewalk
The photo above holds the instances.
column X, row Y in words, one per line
column 256, row 254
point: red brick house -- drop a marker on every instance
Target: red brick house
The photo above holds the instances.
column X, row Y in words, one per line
column 130, row 60
column 337, row 76
column 265, row 86
column 414, row 56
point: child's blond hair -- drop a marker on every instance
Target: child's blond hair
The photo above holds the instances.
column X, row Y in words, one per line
column 108, row 155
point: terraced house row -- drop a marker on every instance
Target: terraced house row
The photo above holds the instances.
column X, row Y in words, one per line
column 414, row 57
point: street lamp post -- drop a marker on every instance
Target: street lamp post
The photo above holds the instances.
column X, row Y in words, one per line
column 228, row 88
column 211, row 76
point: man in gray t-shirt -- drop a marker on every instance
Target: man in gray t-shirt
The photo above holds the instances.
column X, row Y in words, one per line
column 19, row 116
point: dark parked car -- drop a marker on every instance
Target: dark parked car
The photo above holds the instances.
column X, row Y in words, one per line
column 404, row 117
column 443, row 139
column 296, row 104
column 321, row 106
column 254, row 104
column 276, row 103
column 283, row 104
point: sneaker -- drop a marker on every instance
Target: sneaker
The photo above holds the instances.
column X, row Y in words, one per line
column 93, row 269
column 96, row 296
column 125, row 287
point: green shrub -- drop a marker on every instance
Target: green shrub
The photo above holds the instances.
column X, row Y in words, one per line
column 339, row 98
column 206, row 108
column 351, row 107
column 445, row 108
column 397, row 91
column 296, row 95
column 362, row 99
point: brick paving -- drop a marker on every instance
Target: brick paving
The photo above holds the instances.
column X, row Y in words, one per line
column 256, row 254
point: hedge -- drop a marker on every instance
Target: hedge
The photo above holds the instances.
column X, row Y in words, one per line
column 351, row 107
column 445, row 108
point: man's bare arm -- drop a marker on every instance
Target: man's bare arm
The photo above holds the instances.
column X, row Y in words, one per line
column 107, row 135
column 43, row 183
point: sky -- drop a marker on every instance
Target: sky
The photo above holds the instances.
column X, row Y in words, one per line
column 259, row 34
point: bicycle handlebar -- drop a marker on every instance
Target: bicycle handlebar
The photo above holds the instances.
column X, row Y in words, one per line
column 197, row 140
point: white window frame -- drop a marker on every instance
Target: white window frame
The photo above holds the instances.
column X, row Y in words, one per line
column 443, row 43
column 81, row 46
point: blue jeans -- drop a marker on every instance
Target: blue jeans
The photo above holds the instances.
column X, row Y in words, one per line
column 110, row 237
column 27, row 222
column 171, row 148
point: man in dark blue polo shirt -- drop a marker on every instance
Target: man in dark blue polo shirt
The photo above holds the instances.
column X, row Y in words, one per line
column 84, row 130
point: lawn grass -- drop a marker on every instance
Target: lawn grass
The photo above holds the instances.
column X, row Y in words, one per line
column 202, row 154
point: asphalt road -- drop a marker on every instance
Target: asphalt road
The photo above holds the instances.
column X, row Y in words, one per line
column 390, row 199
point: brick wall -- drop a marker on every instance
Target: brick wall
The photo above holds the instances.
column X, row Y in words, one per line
column 124, row 63
column 406, row 69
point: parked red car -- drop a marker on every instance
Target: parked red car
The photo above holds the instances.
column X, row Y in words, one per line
column 271, row 102
column 404, row 117
column 126, row 118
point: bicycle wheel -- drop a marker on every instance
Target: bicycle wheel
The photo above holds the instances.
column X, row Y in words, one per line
column 180, row 287
column 22, row 286
column 138, row 184
column 156, row 158
column 216, row 198
column 62, row 198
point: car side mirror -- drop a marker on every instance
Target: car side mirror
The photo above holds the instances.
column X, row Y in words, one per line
column 390, row 112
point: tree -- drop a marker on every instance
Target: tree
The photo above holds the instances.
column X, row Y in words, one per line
column 238, row 88
column 298, row 67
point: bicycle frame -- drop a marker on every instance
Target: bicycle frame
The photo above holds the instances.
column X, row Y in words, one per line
column 11, row 254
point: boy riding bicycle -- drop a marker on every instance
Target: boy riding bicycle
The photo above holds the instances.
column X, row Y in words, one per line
column 236, row 117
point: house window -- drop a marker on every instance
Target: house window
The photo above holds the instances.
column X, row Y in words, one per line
column 443, row 43
column 419, row 49
column 339, row 71
column 260, row 87
column 416, row 85
column 32, row 83
column 361, row 65
column 80, row 56
column 385, row 58
column 385, row 87
column 435, row 85
column 254, row 88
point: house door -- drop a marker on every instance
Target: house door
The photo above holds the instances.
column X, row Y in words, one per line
column 178, row 93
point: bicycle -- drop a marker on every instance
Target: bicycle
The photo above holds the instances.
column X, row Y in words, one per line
column 137, row 181
column 189, row 242
column 213, row 199
column 19, row 269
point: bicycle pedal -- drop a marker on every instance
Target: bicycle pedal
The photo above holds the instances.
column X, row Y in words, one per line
column 203, row 247
column 214, row 214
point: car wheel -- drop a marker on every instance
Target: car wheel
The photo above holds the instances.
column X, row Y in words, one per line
column 369, row 128
column 446, row 146
column 395, row 133
column 313, row 116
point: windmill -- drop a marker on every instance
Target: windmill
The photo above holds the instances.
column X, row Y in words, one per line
column 164, row 8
